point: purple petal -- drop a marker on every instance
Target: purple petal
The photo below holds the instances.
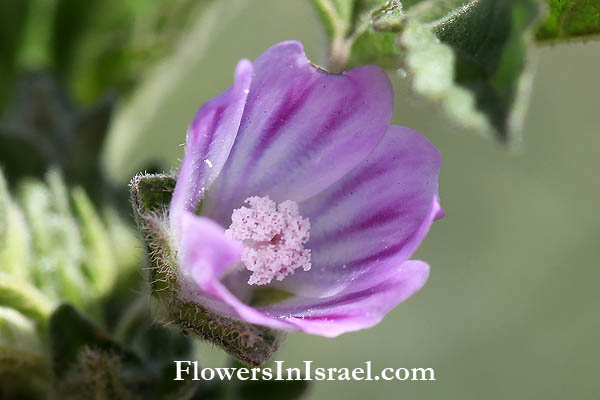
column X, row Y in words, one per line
column 205, row 252
column 348, row 312
column 205, row 255
column 302, row 130
column 379, row 212
column 208, row 143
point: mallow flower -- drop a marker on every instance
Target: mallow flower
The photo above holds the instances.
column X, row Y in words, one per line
column 295, row 187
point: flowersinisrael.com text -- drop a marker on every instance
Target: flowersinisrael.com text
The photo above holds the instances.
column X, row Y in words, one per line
column 192, row 370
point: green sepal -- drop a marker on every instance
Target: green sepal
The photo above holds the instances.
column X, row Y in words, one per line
column 151, row 193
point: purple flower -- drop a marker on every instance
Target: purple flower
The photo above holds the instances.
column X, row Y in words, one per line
column 294, row 180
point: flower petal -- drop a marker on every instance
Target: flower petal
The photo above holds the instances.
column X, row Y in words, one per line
column 378, row 212
column 302, row 130
column 208, row 143
column 353, row 311
column 205, row 255
column 205, row 251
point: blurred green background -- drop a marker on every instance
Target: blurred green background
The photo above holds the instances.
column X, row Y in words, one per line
column 511, row 310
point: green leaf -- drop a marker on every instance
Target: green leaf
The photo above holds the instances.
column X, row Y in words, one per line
column 481, row 57
column 19, row 295
column 159, row 345
column 138, row 330
column 18, row 336
column 56, row 242
column 470, row 56
column 125, row 243
column 88, row 363
column 66, row 255
column 127, row 254
column 99, row 375
column 15, row 241
column 71, row 333
column 570, row 19
column 494, row 69
column 431, row 64
column 98, row 263
column 20, row 345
